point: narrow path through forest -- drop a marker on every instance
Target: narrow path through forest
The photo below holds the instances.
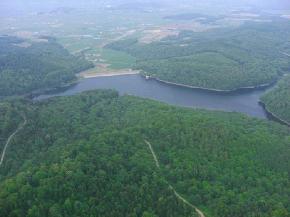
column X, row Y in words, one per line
column 199, row 212
column 20, row 127
column 286, row 54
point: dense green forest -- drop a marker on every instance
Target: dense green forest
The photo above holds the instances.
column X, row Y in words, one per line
column 246, row 56
column 277, row 100
column 27, row 66
column 9, row 119
column 85, row 155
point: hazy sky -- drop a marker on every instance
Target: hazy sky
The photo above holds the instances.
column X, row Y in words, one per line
column 36, row 5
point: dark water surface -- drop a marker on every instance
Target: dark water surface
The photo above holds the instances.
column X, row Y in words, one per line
column 245, row 101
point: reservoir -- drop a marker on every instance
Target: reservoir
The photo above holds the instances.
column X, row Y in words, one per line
column 246, row 102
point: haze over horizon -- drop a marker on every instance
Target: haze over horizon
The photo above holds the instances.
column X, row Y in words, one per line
column 35, row 5
column 144, row 108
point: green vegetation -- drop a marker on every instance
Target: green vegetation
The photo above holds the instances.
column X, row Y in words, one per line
column 117, row 59
column 226, row 59
column 9, row 120
column 229, row 70
column 277, row 101
column 28, row 66
column 85, row 155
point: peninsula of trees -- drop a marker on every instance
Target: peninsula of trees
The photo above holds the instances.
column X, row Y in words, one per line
column 223, row 59
column 27, row 66
column 277, row 101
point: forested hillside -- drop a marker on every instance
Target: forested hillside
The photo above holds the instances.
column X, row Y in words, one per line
column 277, row 101
column 27, row 66
column 9, row 120
column 225, row 59
column 86, row 155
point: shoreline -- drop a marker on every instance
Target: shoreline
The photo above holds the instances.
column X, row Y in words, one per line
column 64, row 87
column 270, row 115
column 51, row 90
column 109, row 74
column 33, row 94
column 273, row 116
column 249, row 88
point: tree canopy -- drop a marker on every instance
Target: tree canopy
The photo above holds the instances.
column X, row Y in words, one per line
column 226, row 58
column 85, row 155
column 27, row 66
column 277, row 100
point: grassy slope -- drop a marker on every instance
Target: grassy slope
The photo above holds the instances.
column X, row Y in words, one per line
column 117, row 59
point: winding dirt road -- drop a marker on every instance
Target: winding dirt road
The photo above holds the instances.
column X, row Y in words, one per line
column 198, row 211
column 20, row 127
